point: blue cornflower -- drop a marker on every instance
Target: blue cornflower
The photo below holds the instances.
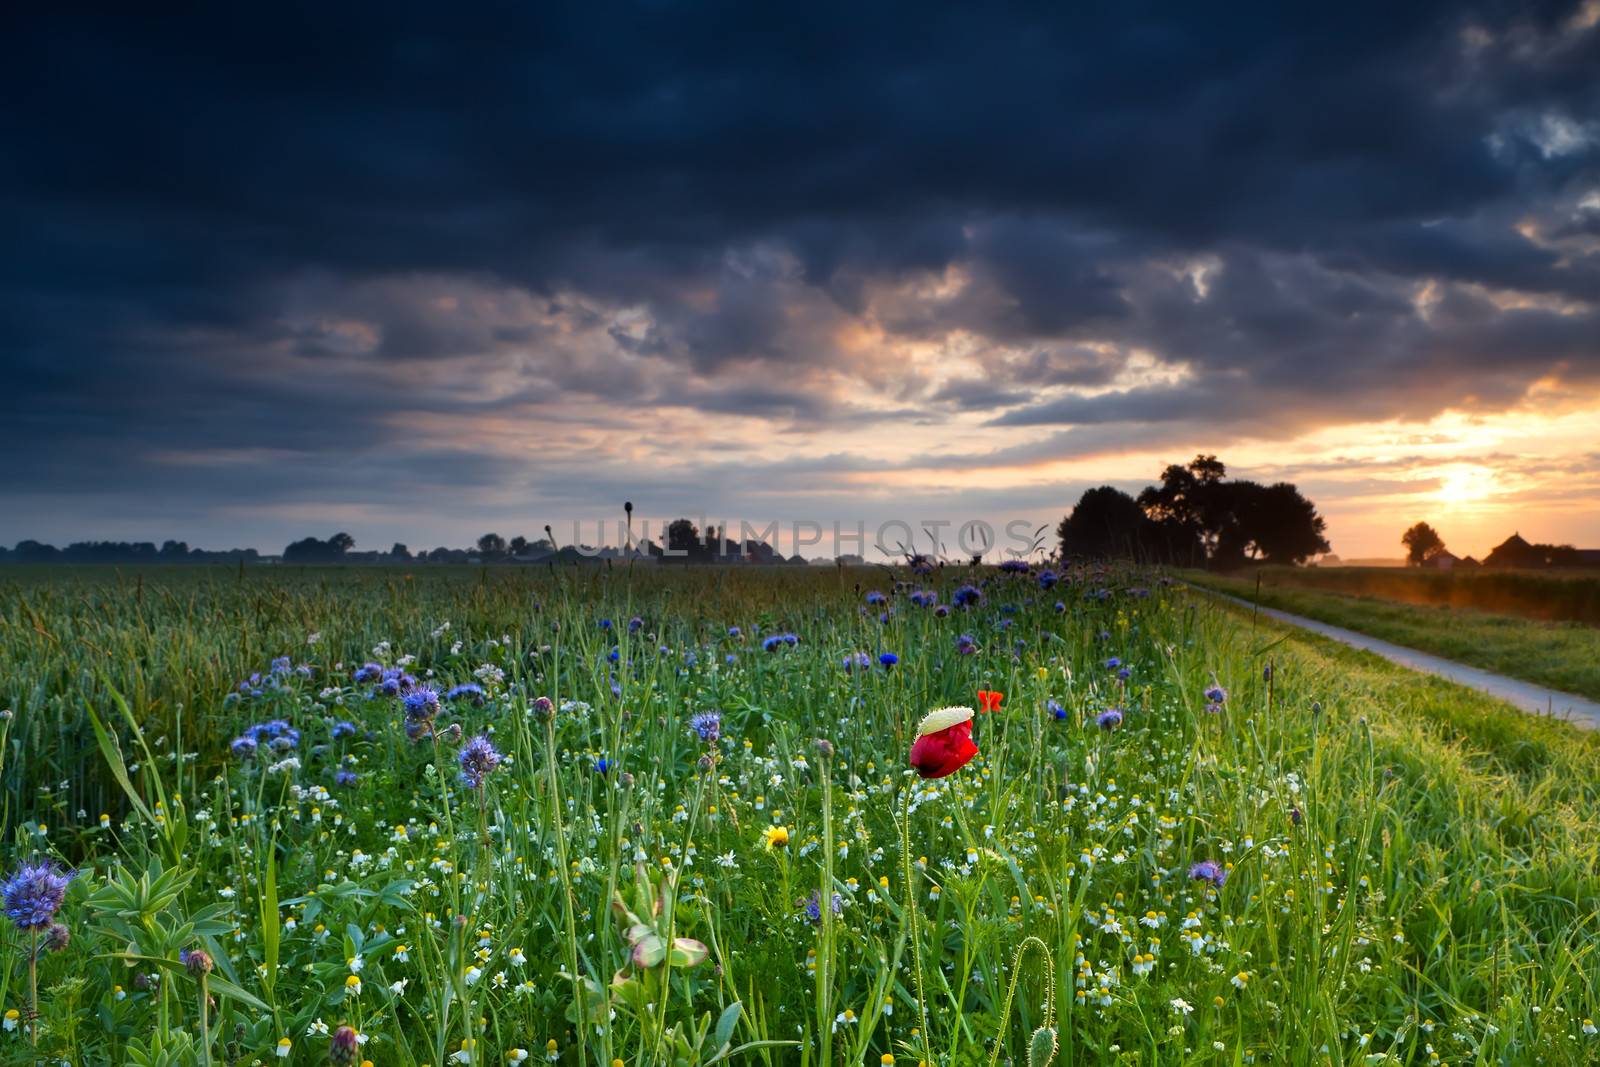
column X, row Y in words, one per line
column 1054, row 708
column 1109, row 719
column 942, row 610
column 368, row 672
column 605, row 624
column 243, row 747
column 1124, row 674
column 967, row 596
column 734, row 631
column 777, row 641
column 635, row 624
column 602, row 765
column 857, row 661
column 34, row 894
column 344, row 728
column 965, row 645
column 875, row 598
column 346, row 779
column 1014, row 566
column 1047, row 579
column 922, row 598
column 1060, row 608
column 281, row 665
column 888, row 659
column 478, row 760
column 1113, row 663
column 1208, row 871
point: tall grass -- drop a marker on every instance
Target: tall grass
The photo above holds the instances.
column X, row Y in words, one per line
column 1412, row 870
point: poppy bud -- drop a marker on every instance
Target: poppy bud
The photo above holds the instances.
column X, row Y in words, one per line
column 944, row 743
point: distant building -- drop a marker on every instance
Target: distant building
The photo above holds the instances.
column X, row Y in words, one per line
column 1442, row 560
column 1516, row 552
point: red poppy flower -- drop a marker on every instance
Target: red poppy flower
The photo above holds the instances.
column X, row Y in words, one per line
column 944, row 743
column 989, row 699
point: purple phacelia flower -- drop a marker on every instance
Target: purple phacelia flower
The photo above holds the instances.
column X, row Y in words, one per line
column 421, row 704
column 1208, row 871
column 471, row 692
column 478, row 760
column 708, row 724
column 34, row 894
column 857, row 661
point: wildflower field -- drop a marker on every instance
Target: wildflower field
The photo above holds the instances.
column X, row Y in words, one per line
column 766, row 816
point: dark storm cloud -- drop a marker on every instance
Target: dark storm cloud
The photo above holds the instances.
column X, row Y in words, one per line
column 308, row 231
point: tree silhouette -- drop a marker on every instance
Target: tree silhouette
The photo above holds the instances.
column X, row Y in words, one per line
column 1421, row 541
column 491, row 546
column 1195, row 515
column 683, row 537
column 519, row 545
column 1105, row 524
column 1283, row 525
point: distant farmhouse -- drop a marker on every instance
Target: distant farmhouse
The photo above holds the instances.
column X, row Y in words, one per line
column 1515, row 551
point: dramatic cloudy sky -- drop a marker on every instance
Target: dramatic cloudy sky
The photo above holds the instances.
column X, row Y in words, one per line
column 421, row 271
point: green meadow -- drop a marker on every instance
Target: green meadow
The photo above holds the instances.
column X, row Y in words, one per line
column 699, row 839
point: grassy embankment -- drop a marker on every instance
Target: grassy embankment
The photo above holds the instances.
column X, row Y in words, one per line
column 1562, row 655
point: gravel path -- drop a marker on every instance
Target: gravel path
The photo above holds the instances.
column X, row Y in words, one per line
column 1536, row 699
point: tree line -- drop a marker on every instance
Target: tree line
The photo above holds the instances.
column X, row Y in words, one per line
column 1195, row 517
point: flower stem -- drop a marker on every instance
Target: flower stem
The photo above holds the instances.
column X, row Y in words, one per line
column 205, row 1024
column 33, row 986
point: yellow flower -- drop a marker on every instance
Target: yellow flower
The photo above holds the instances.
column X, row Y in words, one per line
column 777, row 837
